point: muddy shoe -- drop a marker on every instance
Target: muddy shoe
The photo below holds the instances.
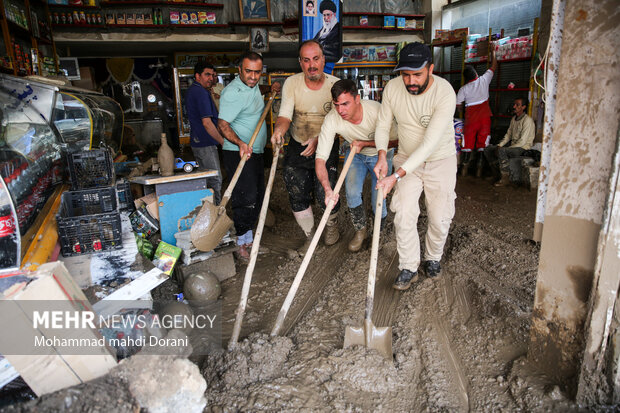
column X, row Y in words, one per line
column 404, row 280
column 358, row 239
column 331, row 235
column 432, row 268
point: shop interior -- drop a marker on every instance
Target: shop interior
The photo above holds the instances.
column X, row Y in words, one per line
column 92, row 115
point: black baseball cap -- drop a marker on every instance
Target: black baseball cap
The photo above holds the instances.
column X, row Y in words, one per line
column 413, row 56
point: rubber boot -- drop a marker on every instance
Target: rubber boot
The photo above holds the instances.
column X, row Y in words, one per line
column 465, row 164
column 305, row 219
column 358, row 240
column 331, row 235
column 479, row 165
column 504, row 180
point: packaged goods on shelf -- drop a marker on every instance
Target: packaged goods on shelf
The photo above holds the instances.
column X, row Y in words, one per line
column 400, row 22
column 389, row 22
column 517, row 48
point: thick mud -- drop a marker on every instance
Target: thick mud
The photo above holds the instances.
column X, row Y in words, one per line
column 459, row 340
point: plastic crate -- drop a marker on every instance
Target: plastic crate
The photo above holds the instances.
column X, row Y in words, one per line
column 125, row 198
column 91, row 169
column 90, row 201
column 84, row 234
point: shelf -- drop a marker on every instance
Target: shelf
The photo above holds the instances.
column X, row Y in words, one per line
column 355, row 13
column 346, row 65
column 159, row 3
column 382, row 28
column 78, row 25
column 514, row 89
column 71, row 6
column 255, row 23
column 448, row 43
column 110, row 26
column 189, row 26
column 18, row 27
column 518, row 59
column 43, row 40
column 449, row 72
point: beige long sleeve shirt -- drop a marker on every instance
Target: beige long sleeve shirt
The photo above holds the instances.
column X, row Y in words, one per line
column 304, row 107
column 520, row 133
column 364, row 131
column 425, row 122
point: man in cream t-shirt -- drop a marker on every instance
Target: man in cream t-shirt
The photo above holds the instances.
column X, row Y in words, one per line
column 423, row 106
column 355, row 120
column 306, row 99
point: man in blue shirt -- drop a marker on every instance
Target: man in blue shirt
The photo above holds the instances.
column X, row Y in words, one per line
column 241, row 106
column 202, row 115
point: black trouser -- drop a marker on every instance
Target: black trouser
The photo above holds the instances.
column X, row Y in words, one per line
column 247, row 197
column 300, row 178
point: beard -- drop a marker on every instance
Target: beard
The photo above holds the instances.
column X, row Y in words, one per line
column 418, row 89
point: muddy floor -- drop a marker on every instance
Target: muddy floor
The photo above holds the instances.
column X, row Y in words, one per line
column 459, row 341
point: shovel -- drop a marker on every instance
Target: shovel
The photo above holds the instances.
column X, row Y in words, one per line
column 254, row 253
column 378, row 338
column 315, row 240
column 212, row 223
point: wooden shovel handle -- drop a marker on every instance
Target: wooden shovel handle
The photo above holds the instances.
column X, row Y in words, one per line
column 374, row 254
column 247, row 280
column 315, row 240
column 235, row 177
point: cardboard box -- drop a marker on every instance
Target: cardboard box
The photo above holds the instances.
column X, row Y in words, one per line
column 400, row 22
column 49, row 368
column 150, row 201
column 389, row 21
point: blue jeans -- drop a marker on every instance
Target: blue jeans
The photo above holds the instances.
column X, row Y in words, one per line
column 208, row 158
column 360, row 167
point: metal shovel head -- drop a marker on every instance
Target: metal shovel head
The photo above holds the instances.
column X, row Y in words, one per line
column 209, row 226
column 378, row 338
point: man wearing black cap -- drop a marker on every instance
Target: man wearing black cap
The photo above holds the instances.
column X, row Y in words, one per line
column 423, row 106
column 329, row 35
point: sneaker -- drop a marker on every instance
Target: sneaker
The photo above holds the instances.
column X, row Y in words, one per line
column 404, row 280
column 358, row 239
column 432, row 268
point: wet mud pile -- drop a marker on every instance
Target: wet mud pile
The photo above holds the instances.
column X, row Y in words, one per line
column 459, row 341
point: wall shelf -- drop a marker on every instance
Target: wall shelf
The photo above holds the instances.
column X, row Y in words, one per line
column 381, row 28
column 356, row 13
column 159, row 3
column 70, row 6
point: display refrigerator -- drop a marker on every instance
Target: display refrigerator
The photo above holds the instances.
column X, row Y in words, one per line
column 41, row 123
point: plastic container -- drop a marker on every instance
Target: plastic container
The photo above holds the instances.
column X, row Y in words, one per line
column 90, row 201
column 84, row 234
column 91, row 169
column 125, row 198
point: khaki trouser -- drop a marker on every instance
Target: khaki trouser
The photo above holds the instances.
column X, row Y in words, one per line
column 437, row 179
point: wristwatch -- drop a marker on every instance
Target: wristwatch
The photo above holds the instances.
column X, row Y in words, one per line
column 398, row 177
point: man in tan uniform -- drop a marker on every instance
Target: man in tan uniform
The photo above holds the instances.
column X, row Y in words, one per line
column 423, row 106
column 355, row 120
column 306, row 100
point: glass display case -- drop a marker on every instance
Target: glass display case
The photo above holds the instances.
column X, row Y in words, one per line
column 40, row 123
column 370, row 77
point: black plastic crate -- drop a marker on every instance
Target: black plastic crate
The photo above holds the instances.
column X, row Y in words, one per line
column 84, row 234
column 91, row 169
column 89, row 201
column 125, row 198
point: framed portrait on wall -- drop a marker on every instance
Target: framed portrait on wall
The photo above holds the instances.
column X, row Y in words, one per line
column 321, row 20
column 254, row 10
column 259, row 39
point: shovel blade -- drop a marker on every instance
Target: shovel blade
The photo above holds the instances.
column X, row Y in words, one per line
column 209, row 227
column 380, row 339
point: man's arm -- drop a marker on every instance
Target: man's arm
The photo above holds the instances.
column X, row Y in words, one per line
column 323, row 177
column 230, row 135
column 212, row 130
column 279, row 130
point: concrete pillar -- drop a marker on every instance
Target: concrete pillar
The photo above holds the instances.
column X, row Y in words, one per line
column 584, row 139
